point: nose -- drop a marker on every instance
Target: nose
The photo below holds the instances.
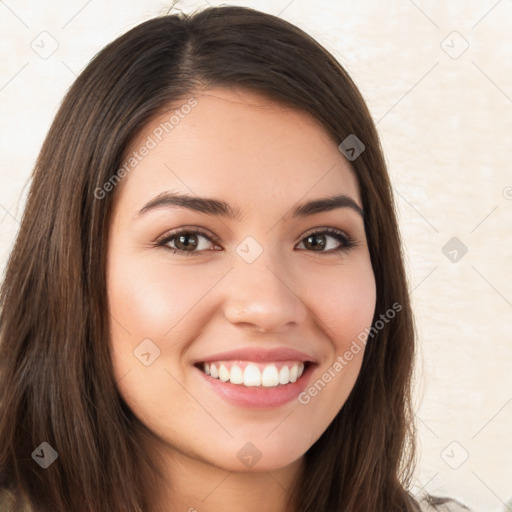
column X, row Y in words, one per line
column 263, row 296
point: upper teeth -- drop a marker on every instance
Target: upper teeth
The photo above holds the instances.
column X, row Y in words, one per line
column 266, row 375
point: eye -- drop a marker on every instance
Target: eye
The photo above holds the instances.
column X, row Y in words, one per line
column 317, row 241
column 186, row 241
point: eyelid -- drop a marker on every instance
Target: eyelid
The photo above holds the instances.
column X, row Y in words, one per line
column 187, row 229
column 326, row 229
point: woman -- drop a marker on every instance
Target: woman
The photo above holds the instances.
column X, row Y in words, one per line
column 169, row 344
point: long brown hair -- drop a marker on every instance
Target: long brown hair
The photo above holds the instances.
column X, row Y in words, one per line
column 56, row 381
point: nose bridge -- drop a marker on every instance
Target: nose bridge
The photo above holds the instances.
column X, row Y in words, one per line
column 261, row 290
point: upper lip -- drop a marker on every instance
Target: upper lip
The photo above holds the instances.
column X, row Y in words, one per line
column 259, row 354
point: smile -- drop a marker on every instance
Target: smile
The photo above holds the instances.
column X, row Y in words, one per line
column 252, row 374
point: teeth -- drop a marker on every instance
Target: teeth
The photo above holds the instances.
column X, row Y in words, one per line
column 236, row 375
column 223, row 373
column 284, row 375
column 270, row 377
column 252, row 376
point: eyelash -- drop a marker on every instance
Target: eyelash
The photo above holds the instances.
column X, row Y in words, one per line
column 346, row 241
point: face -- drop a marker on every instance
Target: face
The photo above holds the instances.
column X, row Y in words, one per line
column 266, row 293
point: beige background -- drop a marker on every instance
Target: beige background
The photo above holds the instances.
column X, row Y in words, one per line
column 438, row 79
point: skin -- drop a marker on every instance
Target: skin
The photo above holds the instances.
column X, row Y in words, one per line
column 263, row 158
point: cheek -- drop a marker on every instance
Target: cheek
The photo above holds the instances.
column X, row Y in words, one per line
column 345, row 306
column 143, row 306
column 159, row 302
column 152, row 299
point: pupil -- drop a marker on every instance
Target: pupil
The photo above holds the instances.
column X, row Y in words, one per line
column 186, row 237
column 319, row 245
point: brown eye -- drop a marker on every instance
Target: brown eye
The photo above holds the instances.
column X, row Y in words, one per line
column 319, row 241
column 187, row 242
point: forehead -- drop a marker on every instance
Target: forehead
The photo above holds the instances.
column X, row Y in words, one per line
column 237, row 144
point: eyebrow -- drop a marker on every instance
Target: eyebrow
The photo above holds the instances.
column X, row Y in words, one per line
column 217, row 207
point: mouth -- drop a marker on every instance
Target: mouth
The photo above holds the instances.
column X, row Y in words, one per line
column 254, row 377
column 252, row 374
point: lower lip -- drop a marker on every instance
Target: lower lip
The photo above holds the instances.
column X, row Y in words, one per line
column 257, row 397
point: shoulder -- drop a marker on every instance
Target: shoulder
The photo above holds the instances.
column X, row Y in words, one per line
column 437, row 504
